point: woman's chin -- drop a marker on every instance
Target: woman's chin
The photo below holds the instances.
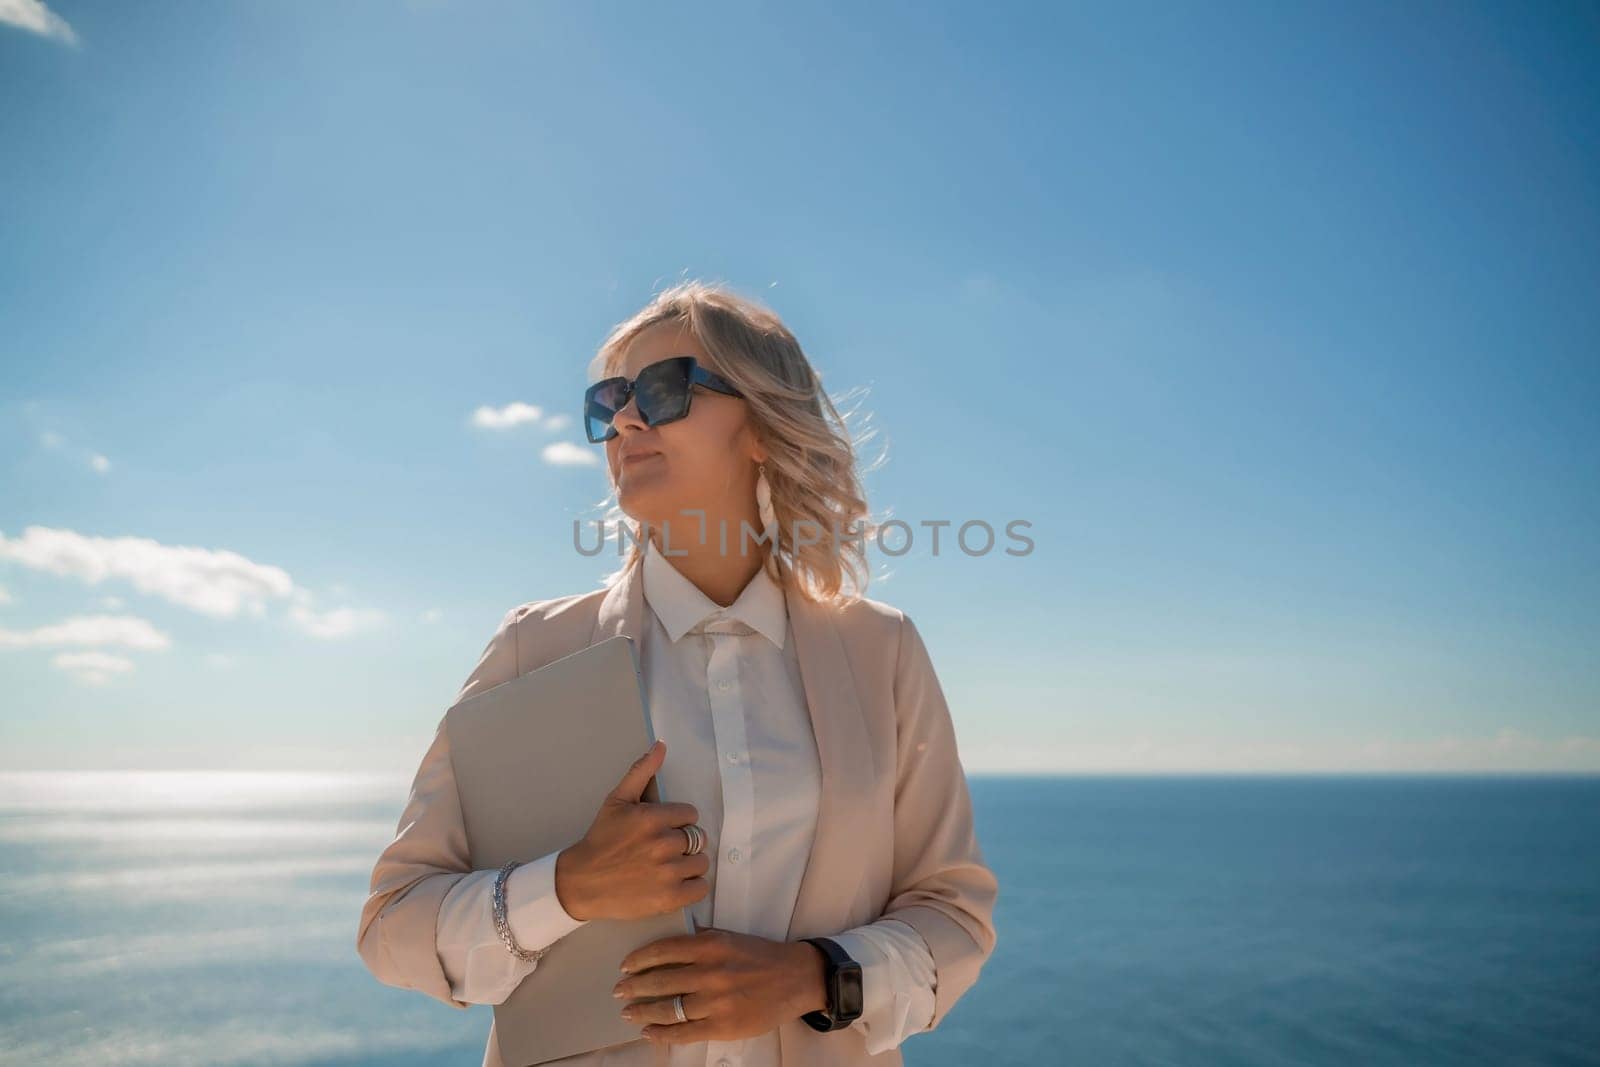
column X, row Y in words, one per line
column 643, row 506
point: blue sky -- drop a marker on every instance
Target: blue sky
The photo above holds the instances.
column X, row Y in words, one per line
column 1277, row 322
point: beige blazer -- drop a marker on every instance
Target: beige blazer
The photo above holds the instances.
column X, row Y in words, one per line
column 894, row 830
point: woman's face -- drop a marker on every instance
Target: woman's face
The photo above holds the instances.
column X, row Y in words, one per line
column 704, row 460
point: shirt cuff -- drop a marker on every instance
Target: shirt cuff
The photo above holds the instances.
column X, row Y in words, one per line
column 533, row 910
column 897, row 981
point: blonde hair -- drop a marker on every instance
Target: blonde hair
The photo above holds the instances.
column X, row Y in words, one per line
column 811, row 457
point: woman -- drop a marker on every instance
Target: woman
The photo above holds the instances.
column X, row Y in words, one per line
column 821, row 826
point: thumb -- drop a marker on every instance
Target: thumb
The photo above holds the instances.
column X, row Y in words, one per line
column 639, row 774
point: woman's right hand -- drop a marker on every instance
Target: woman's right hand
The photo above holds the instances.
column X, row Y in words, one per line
column 630, row 863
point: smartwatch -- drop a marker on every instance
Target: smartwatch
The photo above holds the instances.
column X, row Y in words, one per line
column 843, row 982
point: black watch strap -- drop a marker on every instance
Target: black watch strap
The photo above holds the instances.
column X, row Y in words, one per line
column 840, row 969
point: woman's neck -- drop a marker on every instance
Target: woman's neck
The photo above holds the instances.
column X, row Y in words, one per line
column 720, row 575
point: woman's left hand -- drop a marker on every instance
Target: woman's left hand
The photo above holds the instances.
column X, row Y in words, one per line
column 734, row 985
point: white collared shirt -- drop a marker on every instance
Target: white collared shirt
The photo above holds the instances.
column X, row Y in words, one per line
column 726, row 696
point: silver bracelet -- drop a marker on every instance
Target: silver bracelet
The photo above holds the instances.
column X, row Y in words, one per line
column 500, row 922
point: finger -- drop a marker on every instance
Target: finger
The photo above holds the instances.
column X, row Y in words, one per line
column 681, row 1033
column 675, row 841
column 692, row 891
column 639, row 774
column 657, row 852
column 662, row 982
column 690, row 866
column 673, row 814
column 659, row 1010
column 680, row 948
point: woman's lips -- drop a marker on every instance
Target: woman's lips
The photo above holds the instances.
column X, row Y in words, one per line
column 637, row 456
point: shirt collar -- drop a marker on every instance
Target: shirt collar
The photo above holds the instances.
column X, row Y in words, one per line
column 680, row 605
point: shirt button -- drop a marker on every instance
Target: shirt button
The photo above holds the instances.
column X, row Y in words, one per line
column 733, row 757
column 724, row 1062
column 723, row 684
column 734, row 855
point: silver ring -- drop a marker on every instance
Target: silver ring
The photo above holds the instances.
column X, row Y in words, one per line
column 677, row 1006
column 697, row 839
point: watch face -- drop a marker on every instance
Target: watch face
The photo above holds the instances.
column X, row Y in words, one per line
column 849, row 986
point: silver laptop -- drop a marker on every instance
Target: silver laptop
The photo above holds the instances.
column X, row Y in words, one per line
column 533, row 759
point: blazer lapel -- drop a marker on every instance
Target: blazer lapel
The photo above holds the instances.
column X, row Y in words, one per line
column 833, row 871
column 622, row 608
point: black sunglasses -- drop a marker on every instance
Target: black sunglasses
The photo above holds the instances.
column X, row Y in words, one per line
column 663, row 389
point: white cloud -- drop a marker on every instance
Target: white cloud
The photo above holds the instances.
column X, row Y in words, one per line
column 337, row 622
column 517, row 414
column 126, row 630
column 96, row 462
column 35, row 17
column 93, row 668
column 513, row 414
column 332, row 623
column 567, row 454
column 431, row 615
column 214, row 582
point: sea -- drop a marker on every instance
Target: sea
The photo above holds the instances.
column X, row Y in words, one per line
column 171, row 919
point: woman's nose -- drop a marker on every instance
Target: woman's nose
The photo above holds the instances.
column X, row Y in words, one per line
column 629, row 416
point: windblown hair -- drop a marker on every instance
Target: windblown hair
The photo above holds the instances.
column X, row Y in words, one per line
column 811, row 457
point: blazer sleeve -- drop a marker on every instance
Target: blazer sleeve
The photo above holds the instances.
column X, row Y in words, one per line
column 397, row 938
column 942, row 887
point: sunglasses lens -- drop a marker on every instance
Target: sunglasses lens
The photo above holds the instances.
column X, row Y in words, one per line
column 662, row 390
column 601, row 406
